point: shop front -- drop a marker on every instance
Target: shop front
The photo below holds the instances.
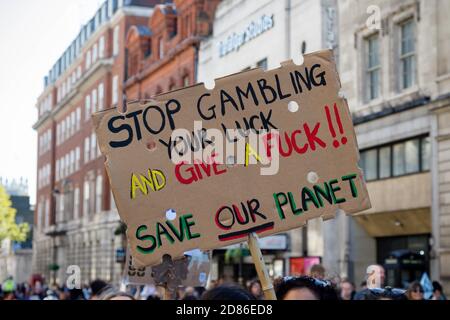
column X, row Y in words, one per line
column 234, row 263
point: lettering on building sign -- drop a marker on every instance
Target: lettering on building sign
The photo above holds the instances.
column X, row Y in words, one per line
column 238, row 39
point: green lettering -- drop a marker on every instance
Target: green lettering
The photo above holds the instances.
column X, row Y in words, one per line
column 188, row 225
column 350, row 178
column 161, row 230
column 308, row 195
column 295, row 210
column 321, row 193
column 151, row 238
column 276, row 197
column 335, row 189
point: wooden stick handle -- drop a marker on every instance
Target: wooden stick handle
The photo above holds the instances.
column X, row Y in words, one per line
column 260, row 266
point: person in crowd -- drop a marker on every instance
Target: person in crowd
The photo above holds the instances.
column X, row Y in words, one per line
column 9, row 288
column 317, row 271
column 347, row 290
column 51, row 295
column 76, row 294
column 96, row 287
column 255, row 289
column 363, row 285
column 438, row 292
column 304, row 288
column 113, row 294
column 189, row 294
column 415, row 291
column 387, row 293
column 375, row 278
column 227, row 292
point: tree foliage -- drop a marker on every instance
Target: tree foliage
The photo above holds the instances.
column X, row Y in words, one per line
column 9, row 229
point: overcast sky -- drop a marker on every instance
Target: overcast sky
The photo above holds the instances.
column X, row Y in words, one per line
column 33, row 35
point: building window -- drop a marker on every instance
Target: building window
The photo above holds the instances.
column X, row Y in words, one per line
column 94, row 100
column 262, row 64
column 101, row 47
column 116, row 41
column 186, row 80
column 100, row 96
column 68, row 128
column 72, row 161
column 369, row 164
column 76, row 205
column 86, row 198
column 87, row 108
column 407, row 54
column 73, row 122
column 88, row 60
column 63, row 130
column 396, row 159
column 406, row 157
column 93, row 146
column 94, row 52
column 57, row 170
column 77, row 159
column 67, row 167
column 47, row 213
column 78, row 72
column 78, row 116
column 115, row 90
column 86, row 150
column 161, row 47
column 61, row 168
column 373, row 68
column 98, row 193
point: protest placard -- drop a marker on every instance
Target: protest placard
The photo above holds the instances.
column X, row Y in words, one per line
column 181, row 184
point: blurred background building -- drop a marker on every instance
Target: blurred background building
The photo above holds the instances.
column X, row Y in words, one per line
column 75, row 216
column 248, row 34
column 395, row 72
column 396, row 77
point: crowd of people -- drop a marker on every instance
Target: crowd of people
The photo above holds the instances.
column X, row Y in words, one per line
column 314, row 286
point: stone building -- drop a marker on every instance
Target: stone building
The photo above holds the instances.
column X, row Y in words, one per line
column 75, row 218
column 395, row 73
column 248, row 34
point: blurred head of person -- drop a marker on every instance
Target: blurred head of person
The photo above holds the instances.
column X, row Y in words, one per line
column 189, row 294
column 376, row 276
column 317, row 271
column 438, row 292
column 117, row 295
column 363, row 285
column 255, row 289
column 304, row 288
column 387, row 293
column 76, row 294
column 96, row 287
column 227, row 292
column 415, row 291
column 347, row 290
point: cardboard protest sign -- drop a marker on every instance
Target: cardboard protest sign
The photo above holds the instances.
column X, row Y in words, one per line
column 198, row 267
column 181, row 184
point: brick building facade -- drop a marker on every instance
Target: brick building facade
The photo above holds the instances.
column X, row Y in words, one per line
column 75, row 215
column 163, row 52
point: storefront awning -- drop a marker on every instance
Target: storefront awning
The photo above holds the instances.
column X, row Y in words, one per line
column 396, row 223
